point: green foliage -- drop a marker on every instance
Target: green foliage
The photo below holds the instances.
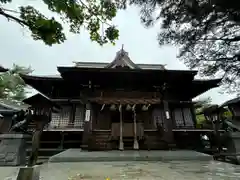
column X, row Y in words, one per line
column 200, row 119
column 199, row 106
column 207, row 33
column 94, row 15
column 204, row 103
column 228, row 114
column 12, row 87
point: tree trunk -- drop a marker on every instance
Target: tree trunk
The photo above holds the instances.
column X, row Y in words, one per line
column 35, row 144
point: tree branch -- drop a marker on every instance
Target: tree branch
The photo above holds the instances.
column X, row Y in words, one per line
column 237, row 38
column 104, row 22
column 13, row 18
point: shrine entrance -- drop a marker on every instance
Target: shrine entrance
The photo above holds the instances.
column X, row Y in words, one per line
column 128, row 128
column 124, row 127
column 125, row 130
column 127, row 125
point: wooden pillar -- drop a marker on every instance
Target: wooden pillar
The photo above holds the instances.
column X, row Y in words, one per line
column 135, row 144
column 168, row 132
column 62, row 140
column 87, row 126
column 72, row 115
column 216, row 124
column 121, row 145
column 193, row 113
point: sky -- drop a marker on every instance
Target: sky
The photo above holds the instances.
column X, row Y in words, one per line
column 17, row 46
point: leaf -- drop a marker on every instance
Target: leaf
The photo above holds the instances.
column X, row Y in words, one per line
column 11, row 85
column 93, row 14
column 206, row 32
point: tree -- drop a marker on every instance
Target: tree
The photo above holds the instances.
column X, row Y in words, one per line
column 202, row 103
column 12, row 87
column 199, row 106
column 91, row 14
column 207, row 32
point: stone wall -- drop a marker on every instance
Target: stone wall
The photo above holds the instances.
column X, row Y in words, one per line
column 12, row 149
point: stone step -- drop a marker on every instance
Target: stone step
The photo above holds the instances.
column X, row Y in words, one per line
column 46, row 152
column 41, row 159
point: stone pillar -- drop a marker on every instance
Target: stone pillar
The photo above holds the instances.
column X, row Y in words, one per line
column 121, row 145
column 135, row 144
column 233, row 146
column 29, row 173
column 87, row 126
column 13, row 149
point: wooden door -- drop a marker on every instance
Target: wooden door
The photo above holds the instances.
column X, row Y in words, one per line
column 158, row 119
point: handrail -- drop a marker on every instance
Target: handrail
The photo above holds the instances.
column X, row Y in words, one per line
column 231, row 125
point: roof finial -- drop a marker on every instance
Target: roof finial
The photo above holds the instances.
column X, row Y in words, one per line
column 122, row 46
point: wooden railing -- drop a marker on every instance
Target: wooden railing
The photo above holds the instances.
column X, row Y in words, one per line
column 65, row 127
column 61, row 127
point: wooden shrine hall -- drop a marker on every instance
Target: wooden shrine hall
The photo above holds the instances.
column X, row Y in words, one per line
column 122, row 105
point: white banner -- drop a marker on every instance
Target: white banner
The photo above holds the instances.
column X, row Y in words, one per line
column 167, row 115
column 87, row 115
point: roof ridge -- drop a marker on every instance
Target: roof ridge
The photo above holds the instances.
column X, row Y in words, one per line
column 122, row 58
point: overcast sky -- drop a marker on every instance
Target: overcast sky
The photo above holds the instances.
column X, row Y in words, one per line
column 18, row 47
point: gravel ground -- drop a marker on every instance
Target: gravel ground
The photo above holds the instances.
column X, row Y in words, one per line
column 175, row 170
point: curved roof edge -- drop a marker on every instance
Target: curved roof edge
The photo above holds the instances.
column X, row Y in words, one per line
column 38, row 77
column 214, row 81
column 231, row 101
column 2, row 69
column 62, row 69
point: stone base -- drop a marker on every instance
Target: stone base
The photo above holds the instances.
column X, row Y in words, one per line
column 76, row 155
column 236, row 146
column 135, row 145
column 12, row 149
column 232, row 143
column 121, row 146
column 29, row 173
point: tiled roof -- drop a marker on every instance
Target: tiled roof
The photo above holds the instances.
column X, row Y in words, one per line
column 121, row 59
column 10, row 105
column 104, row 64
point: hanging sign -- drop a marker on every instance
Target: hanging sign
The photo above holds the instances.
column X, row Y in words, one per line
column 87, row 115
column 167, row 115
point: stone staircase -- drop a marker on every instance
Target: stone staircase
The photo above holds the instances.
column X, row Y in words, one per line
column 128, row 143
column 100, row 140
column 153, row 141
column 53, row 143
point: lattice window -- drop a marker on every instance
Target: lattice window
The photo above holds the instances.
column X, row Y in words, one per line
column 56, row 117
column 188, row 117
column 79, row 116
column 178, row 117
column 61, row 119
column 158, row 118
column 65, row 116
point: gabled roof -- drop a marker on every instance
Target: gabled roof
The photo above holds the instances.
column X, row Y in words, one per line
column 7, row 106
column 43, row 101
column 104, row 64
column 2, row 69
column 122, row 60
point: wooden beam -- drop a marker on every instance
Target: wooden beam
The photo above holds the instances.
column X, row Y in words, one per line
column 124, row 101
column 121, row 145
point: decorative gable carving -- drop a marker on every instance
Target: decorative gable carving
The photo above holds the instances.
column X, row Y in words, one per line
column 122, row 60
